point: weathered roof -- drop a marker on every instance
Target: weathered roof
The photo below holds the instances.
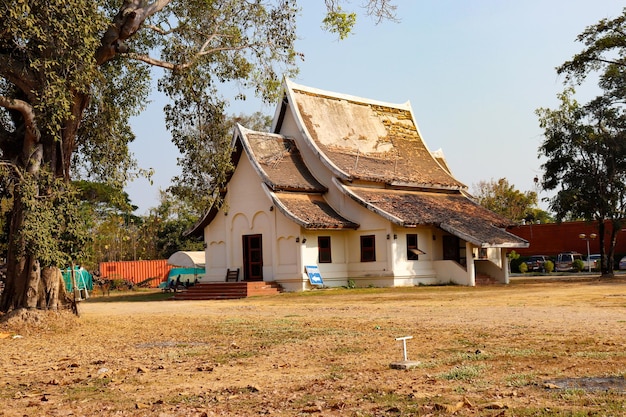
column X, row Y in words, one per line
column 290, row 185
column 310, row 211
column 277, row 159
column 441, row 158
column 368, row 140
column 452, row 212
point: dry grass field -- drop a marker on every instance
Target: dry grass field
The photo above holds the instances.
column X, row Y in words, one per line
column 526, row 349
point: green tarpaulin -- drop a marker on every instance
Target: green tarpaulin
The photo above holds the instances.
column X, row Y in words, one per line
column 84, row 280
column 184, row 276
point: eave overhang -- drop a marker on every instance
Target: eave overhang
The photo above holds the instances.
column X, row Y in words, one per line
column 453, row 213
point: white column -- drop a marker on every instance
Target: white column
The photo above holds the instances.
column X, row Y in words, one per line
column 471, row 268
column 505, row 265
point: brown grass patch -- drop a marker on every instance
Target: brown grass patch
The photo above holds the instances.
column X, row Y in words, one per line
column 490, row 351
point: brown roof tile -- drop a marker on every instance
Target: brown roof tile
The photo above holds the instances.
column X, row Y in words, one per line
column 311, row 211
column 370, row 141
column 450, row 211
column 281, row 162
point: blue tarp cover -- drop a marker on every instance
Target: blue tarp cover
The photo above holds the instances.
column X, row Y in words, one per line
column 186, row 275
column 84, row 280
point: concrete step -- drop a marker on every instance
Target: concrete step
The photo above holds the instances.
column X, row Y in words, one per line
column 227, row 290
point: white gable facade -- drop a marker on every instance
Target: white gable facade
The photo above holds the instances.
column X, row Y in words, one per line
column 348, row 185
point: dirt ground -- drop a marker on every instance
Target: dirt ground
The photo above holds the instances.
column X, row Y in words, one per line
column 526, row 349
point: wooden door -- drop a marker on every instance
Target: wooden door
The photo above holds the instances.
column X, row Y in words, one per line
column 451, row 250
column 252, row 258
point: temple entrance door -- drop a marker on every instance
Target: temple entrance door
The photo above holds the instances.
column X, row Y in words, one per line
column 252, row 258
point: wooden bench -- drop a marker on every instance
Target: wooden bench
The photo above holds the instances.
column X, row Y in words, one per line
column 232, row 275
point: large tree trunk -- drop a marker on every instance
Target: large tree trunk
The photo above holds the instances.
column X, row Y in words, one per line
column 24, row 287
column 604, row 265
column 52, row 292
column 616, row 227
column 22, row 278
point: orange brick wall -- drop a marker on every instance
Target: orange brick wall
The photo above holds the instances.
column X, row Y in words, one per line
column 552, row 238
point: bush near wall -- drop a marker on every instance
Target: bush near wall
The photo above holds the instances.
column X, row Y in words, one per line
column 515, row 265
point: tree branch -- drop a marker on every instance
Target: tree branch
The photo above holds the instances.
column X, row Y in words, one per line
column 608, row 61
column 18, row 74
column 171, row 66
column 15, row 168
column 125, row 24
column 160, row 30
column 32, row 133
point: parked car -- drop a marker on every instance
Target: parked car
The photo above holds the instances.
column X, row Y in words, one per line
column 593, row 261
column 535, row 262
column 565, row 261
column 622, row 263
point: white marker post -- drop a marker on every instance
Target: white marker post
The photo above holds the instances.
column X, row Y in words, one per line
column 406, row 363
column 404, row 339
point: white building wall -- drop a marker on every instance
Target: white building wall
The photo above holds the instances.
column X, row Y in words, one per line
column 413, row 272
column 391, row 267
column 249, row 211
column 246, row 211
column 335, row 273
column 216, row 253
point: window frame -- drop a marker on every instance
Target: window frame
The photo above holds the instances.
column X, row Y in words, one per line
column 324, row 253
column 368, row 253
column 412, row 256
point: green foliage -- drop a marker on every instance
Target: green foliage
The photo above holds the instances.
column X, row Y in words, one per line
column 54, row 223
column 256, row 121
column 585, row 144
column 513, row 255
column 168, row 223
column 72, row 77
column 548, row 266
column 537, row 215
column 502, row 198
column 342, row 23
column 601, row 41
column 104, row 196
column 6, row 203
column 339, row 22
column 206, row 160
column 578, row 265
column 523, row 268
column 120, row 236
column 515, row 264
column 51, row 50
column 586, row 157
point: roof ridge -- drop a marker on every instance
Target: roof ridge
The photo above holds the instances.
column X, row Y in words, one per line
column 348, row 97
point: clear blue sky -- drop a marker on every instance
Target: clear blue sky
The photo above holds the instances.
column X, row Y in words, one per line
column 474, row 72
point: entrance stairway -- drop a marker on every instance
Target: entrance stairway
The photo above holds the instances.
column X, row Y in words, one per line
column 484, row 279
column 227, row 290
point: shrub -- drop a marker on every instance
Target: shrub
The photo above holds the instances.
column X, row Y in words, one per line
column 578, row 265
column 515, row 264
column 523, row 268
column 548, row 266
column 121, row 284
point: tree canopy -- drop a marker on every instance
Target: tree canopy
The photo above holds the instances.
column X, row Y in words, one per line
column 502, row 198
column 72, row 75
column 585, row 144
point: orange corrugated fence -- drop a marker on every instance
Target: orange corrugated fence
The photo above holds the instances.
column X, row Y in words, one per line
column 137, row 271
